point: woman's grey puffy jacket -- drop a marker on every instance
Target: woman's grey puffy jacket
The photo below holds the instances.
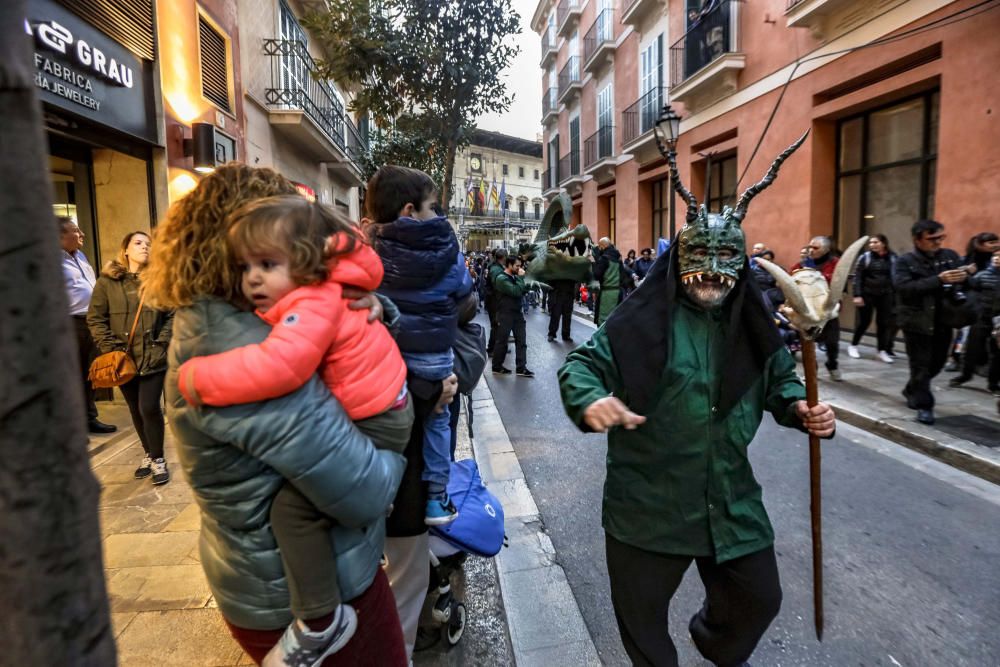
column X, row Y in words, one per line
column 237, row 458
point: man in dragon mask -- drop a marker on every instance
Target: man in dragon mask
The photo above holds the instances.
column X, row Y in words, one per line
column 680, row 376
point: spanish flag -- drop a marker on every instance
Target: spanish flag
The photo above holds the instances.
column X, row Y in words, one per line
column 494, row 195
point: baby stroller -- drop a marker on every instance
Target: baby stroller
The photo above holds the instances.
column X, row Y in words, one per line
column 478, row 530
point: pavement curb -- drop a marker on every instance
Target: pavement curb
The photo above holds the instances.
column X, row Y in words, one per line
column 546, row 626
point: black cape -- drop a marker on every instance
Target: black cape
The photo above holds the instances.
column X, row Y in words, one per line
column 638, row 331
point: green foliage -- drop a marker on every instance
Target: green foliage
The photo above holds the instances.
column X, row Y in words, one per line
column 424, row 70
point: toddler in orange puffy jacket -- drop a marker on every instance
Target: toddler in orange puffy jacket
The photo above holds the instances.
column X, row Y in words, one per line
column 296, row 257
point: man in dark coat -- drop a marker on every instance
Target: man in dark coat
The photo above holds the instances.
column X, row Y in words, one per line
column 494, row 269
column 924, row 279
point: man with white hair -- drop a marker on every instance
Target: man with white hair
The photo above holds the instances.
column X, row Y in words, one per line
column 608, row 271
column 822, row 259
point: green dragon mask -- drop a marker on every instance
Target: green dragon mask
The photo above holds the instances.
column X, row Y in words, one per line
column 558, row 253
column 712, row 245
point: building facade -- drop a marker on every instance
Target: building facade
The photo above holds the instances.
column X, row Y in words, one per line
column 496, row 191
column 899, row 97
column 142, row 96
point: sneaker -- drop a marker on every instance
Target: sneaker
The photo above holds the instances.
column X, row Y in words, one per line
column 568, row 339
column 302, row 647
column 440, row 510
column 501, row 371
column 552, row 339
column 160, row 473
column 835, row 375
column 951, row 366
column 852, row 352
column 525, row 373
column 145, row 468
column 959, row 380
column 886, row 357
column 925, row 416
column 99, row 427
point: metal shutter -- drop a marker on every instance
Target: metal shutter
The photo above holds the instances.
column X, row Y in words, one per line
column 214, row 65
column 129, row 22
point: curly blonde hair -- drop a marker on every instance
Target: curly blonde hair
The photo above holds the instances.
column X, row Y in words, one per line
column 190, row 256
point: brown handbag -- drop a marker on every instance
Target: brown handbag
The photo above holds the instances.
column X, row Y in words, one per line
column 113, row 369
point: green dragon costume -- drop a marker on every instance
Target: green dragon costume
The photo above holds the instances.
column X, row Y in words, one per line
column 558, row 253
column 695, row 352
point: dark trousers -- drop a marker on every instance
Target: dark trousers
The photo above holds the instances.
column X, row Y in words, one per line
column 508, row 322
column 742, row 597
column 980, row 342
column 143, row 393
column 881, row 306
column 85, row 350
column 927, row 355
column 562, row 308
column 491, row 310
column 831, row 339
column 303, row 532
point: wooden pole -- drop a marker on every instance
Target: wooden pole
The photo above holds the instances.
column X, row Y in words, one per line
column 815, row 499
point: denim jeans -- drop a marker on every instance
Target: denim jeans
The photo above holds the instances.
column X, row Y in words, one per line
column 437, row 429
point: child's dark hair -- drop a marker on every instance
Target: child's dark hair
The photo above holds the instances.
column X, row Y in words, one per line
column 296, row 228
column 393, row 187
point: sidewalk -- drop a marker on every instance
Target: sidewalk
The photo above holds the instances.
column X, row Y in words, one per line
column 966, row 434
column 162, row 611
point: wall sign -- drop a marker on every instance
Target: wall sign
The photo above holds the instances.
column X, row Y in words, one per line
column 83, row 71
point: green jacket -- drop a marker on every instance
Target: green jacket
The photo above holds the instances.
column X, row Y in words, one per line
column 237, row 458
column 112, row 311
column 681, row 483
column 509, row 290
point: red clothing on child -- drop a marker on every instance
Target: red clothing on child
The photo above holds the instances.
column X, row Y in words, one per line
column 312, row 329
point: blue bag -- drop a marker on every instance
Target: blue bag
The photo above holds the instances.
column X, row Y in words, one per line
column 479, row 527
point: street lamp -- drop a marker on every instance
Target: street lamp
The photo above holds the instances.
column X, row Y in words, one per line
column 667, row 130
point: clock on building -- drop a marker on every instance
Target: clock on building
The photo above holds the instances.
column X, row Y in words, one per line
column 476, row 164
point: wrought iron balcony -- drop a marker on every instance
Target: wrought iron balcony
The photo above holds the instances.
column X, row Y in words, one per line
column 599, row 146
column 549, row 47
column 295, row 92
column 568, row 16
column 599, row 42
column 550, row 105
column 569, row 168
column 640, row 117
column 705, row 62
column 569, row 78
column 550, row 180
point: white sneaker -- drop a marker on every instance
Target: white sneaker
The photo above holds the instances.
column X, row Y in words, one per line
column 852, row 352
column 301, row 647
column 886, row 357
column 835, row 375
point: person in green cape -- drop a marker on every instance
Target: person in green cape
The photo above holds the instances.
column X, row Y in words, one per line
column 679, row 377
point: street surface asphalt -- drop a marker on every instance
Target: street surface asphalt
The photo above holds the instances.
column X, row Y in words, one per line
column 912, row 557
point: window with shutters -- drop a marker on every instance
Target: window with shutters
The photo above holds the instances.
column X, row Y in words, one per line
column 215, row 57
column 128, row 22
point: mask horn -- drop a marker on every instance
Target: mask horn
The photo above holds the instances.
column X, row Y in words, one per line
column 675, row 178
column 753, row 191
column 793, row 295
column 842, row 271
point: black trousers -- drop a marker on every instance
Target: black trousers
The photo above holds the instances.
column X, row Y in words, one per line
column 980, row 347
column 881, row 306
column 491, row 309
column 742, row 597
column 85, row 350
column 561, row 301
column 507, row 322
column 927, row 355
column 831, row 339
column 142, row 393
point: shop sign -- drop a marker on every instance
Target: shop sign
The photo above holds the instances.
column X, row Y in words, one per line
column 305, row 191
column 81, row 70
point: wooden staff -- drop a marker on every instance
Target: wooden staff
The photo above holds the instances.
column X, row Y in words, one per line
column 815, row 499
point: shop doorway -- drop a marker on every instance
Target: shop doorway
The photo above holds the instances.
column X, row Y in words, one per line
column 71, row 175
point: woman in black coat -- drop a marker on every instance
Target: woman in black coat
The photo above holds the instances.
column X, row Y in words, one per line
column 874, row 294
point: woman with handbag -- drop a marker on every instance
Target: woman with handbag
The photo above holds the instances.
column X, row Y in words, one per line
column 119, row 321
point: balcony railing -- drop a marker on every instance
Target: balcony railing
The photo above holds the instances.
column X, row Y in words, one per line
column 569, row 166
column 710, row 37
column 294, row 87
column 598, row 146
column 548, row 45
column 567, row 13
column 640, row 117
column 601, row 33
column 550, row 104
column 569, row 75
